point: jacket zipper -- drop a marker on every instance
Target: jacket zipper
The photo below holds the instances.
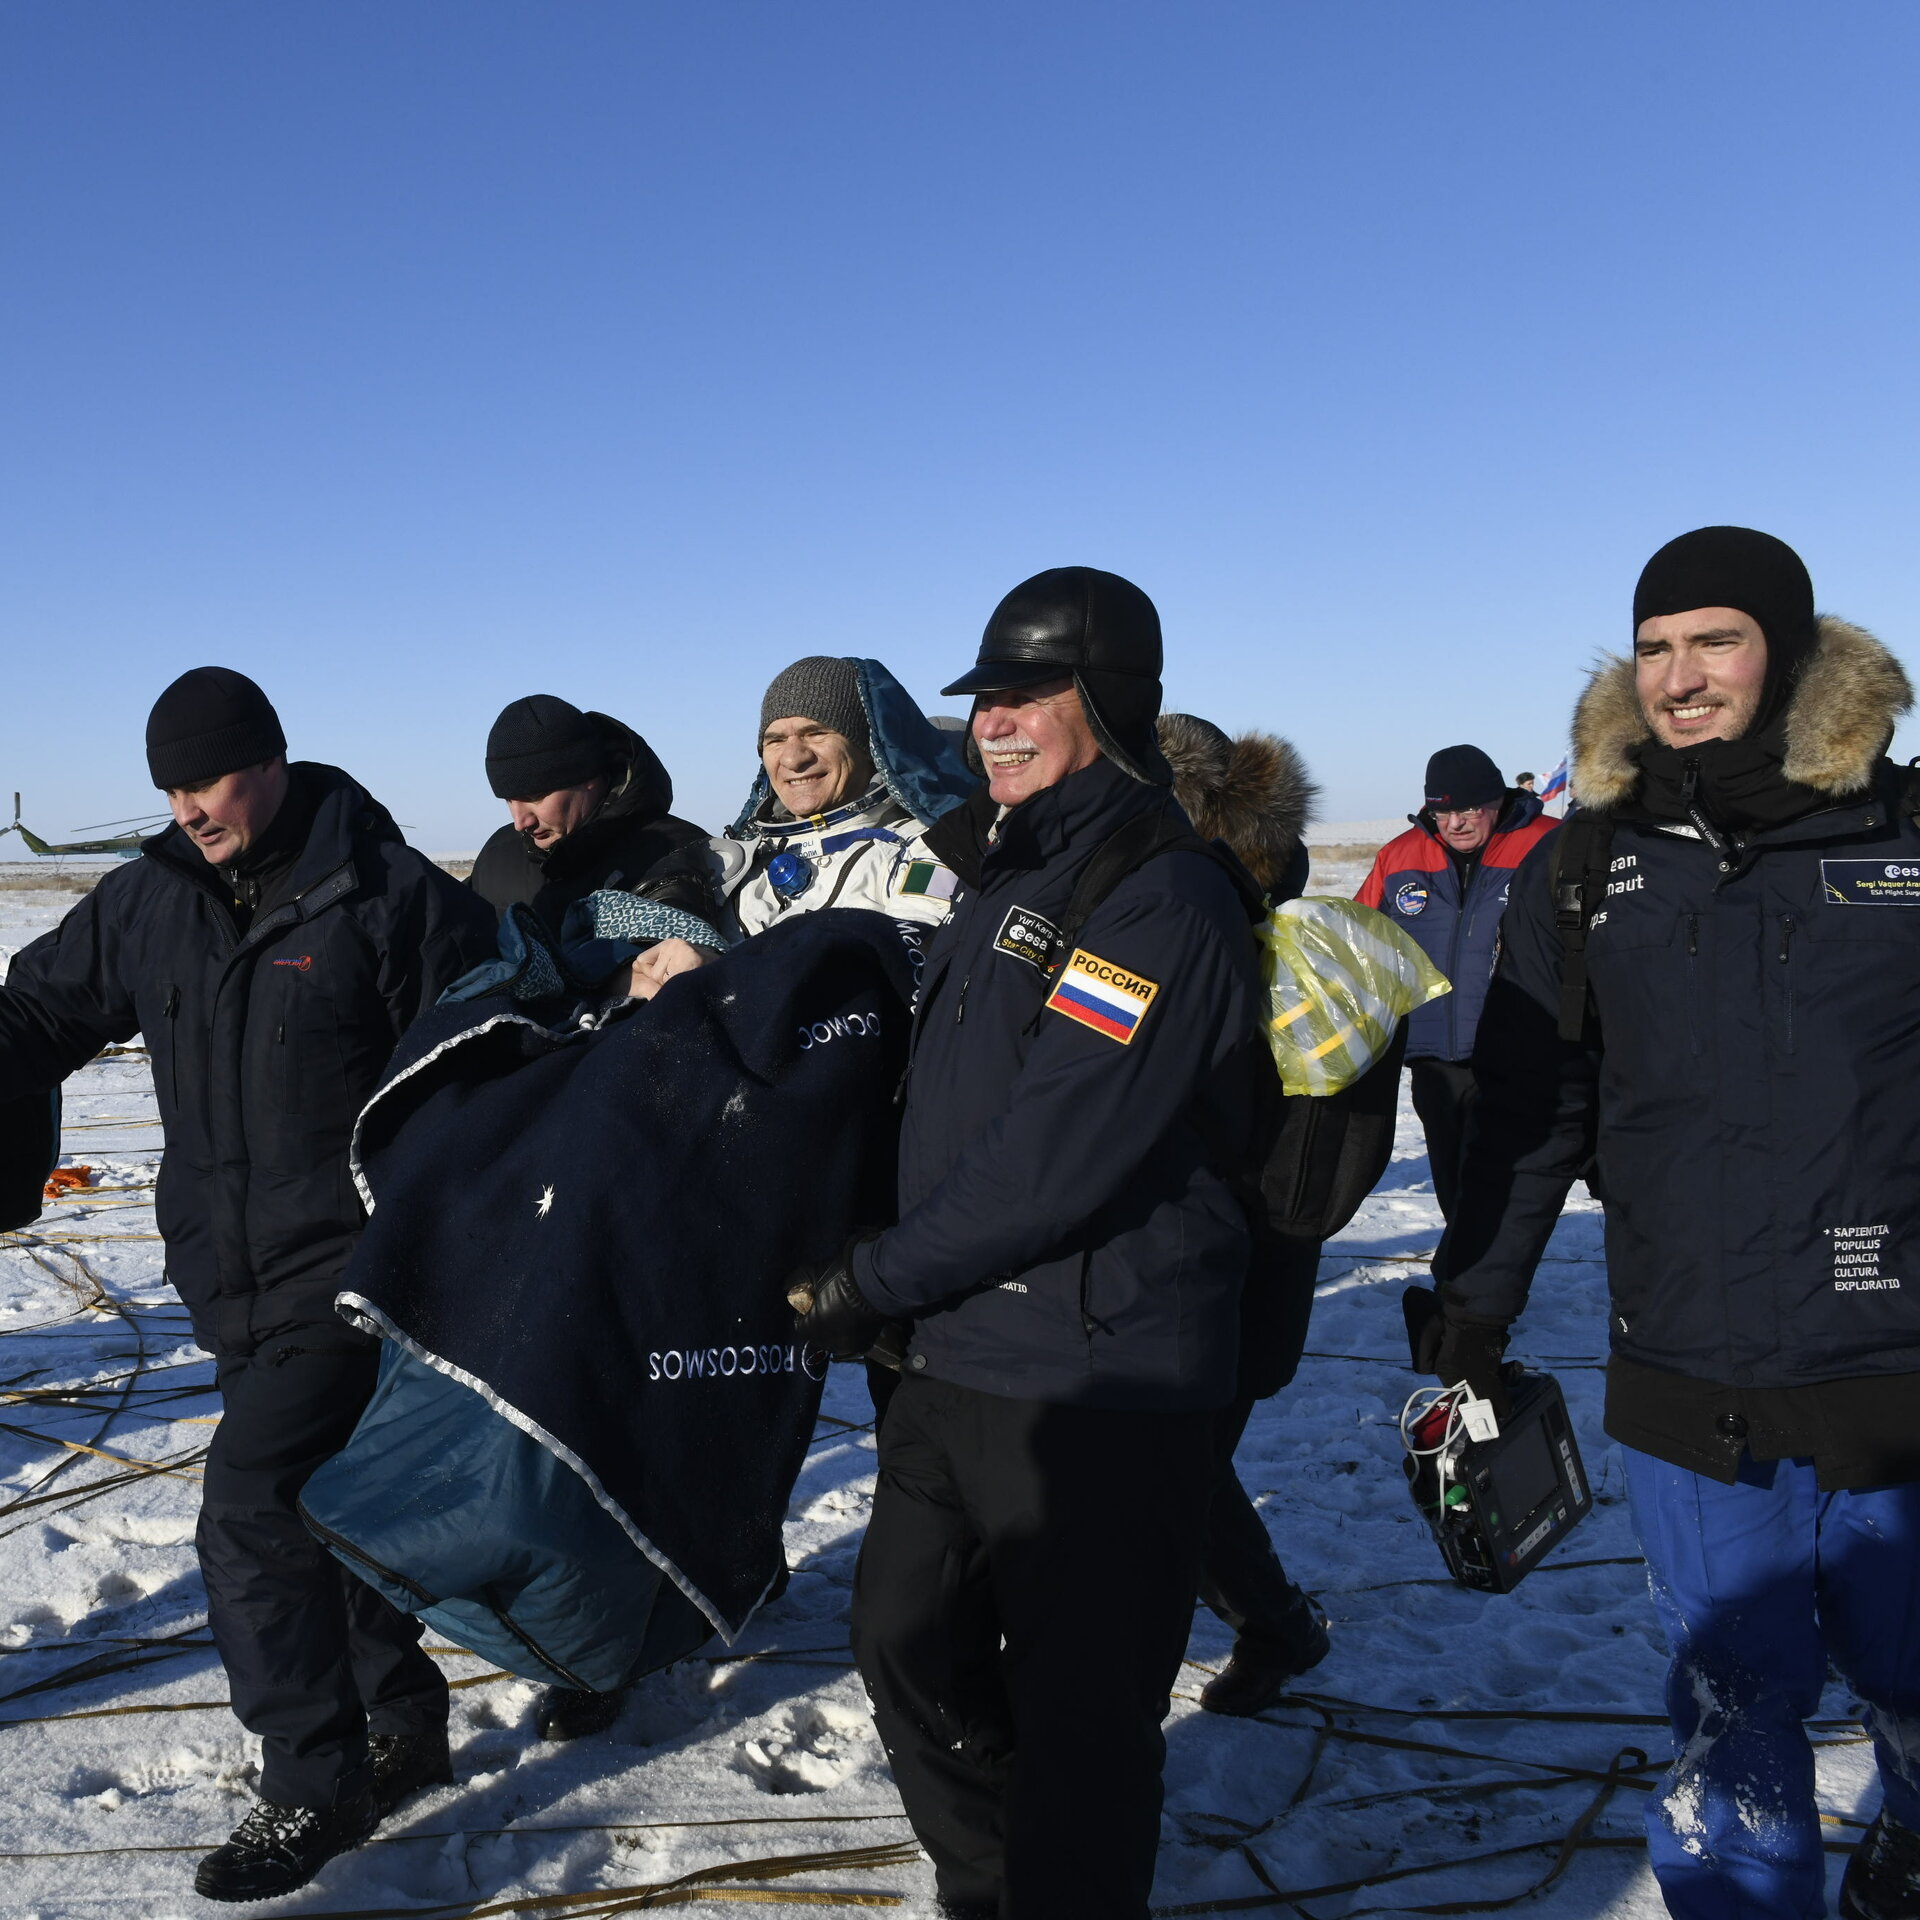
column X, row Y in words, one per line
column 1453, row 954
column 1693, row 982
column 171, row 1012
column 1786, row 955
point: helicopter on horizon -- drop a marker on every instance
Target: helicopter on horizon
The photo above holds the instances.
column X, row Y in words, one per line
column 126, row 845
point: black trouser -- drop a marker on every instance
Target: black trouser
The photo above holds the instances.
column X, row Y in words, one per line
column 315, row 1659
column 881, row 1384
column 1241, row 1578
column 1443, row 1098
column 1020, row 1611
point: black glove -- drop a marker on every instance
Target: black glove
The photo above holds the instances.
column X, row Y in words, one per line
column 1456, row 1349
column 830, row 1311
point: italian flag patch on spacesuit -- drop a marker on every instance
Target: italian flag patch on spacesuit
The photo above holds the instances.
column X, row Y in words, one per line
column 1109, row 999
column 930, row 878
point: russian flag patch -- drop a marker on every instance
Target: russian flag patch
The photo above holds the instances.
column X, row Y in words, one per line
column 1109, row 999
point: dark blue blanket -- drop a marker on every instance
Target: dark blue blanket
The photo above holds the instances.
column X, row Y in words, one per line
column 587, row 1230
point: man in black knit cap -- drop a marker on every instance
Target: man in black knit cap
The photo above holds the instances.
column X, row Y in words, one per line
column 588, row 800
column 272, row 945
column 1713, row 980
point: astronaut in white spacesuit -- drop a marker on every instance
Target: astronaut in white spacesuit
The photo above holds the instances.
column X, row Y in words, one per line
column 852, row 777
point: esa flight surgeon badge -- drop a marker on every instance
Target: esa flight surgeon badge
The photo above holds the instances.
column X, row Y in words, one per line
column 1110, row 999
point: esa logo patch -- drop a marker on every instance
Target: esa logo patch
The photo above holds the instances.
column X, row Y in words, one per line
column 1870, row 883
column 1109, row 999
column 1028, row 936
column 1411, row 899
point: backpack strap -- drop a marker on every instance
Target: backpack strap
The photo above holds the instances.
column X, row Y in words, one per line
column 1133, row 844
column 1128, row 848
column 1582, row 858
column 1163, row 829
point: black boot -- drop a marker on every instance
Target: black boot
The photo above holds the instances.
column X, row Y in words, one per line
column 407, row 1763
column 1263, row 1662
column 1882, row 1880
column 276, row 1849
column 565, row 1713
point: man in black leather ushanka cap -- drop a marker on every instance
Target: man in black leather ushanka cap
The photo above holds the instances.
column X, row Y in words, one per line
column 1072, row 1267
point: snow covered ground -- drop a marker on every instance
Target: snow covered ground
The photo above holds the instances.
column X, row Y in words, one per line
column 1443, row 1752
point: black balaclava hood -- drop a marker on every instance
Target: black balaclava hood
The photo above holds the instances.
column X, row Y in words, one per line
column 1754, row 574
column 1732, row 784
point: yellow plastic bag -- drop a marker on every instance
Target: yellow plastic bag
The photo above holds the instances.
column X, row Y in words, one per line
column 1340, row 978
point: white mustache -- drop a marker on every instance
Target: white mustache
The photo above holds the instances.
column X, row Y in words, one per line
column 1013, row 743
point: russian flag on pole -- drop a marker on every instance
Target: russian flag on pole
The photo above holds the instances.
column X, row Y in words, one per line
column 1556, row 782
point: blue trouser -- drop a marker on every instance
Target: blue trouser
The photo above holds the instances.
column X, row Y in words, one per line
column 1759, row 1585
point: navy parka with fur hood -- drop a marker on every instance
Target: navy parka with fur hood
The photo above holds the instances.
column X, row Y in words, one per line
column 265, row 1045
column 1751, row 1080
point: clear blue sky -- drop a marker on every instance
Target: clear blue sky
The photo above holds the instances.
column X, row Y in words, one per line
column 414, row 357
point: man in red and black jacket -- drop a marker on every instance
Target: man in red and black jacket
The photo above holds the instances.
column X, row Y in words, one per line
column 1445, row 881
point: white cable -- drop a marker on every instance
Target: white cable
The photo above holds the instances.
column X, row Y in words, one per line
column 1429, row 1398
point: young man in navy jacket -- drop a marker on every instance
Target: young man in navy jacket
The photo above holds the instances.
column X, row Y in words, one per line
column 1747, row 1063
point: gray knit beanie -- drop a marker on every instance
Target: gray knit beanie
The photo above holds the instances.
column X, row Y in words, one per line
column 821, row 688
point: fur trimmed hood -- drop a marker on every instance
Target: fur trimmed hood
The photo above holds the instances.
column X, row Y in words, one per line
column 1250, row 790
column 1839, row 719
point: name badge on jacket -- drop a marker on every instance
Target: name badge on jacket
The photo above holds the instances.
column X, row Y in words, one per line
column 1871, row 883
column 1028, row 936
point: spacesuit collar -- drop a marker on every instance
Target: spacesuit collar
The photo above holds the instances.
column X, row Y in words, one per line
column 771, row 818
